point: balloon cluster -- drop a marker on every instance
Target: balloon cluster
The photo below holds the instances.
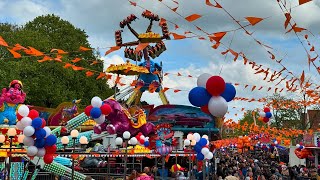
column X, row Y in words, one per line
column 38, row 136
column 265, row 115
column 143, row 140
column 212, row 95
column 98, row 110
column 201, row 146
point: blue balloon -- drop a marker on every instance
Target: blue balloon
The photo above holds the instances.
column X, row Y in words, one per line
column 95, row 113
column 200, row 156
column 203, row 142
column 229, row 93
column 268, row 114
column 36, row 123
column 40, row 133
column 51, row 140
column 197, row 148
column 40, row 142
column 199, row 96
column 146, row 144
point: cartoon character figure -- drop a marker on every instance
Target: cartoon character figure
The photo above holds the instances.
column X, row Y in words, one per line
column 164, row 139
column 10, row 98
column 88, row 162
column 145, row 80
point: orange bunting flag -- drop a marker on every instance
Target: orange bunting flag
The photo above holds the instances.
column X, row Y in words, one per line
column 152, row 88
column 89, row 73
column 254, row 87
column 165, row 89
column 272, row 55
column 94, row 62
column 210, row 4
column 215, row 46
column 165, row 74
column 288, row 18
column 175, row 1
column 193, row 17
column 76, row 60
column 133, row 3
column 175, row 9
column 176, row 26
column 141, row 47
column 58, row 58
column 45, row 58
column 303, row 1
column 101, row 75
column 296, row 29
column 302, row 78
column 81, row 48
column 176, row 90
column 35, row 52
column 217, row 36
column 15, row 54
column 179, row 74
column 254, row 20
column 59, row 51
column 18, row 47
column 114, row 48
column 67, row 65
column 76, row 68
column 117, row 81
column 3, row 42
column 312, row 48
column 236, row 55
column 178, row 36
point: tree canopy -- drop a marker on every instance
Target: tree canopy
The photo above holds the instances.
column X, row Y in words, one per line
column 48, row 84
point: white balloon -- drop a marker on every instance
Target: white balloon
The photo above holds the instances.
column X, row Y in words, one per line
column 126, row 135
column 298, row 145
column 96, row 102
column 218, row 106
column 202, row 79
column 205, row 136
column 187, row 142
column 48, row 131
column 28, row 141
column 41, row 152
column 26, row 121
column 133, row 141
column 196, row 136
column 23, row 110
column 262, row 114
column 209, row 155
column 32, row 151
column 205, row 151
column 19, row 125
column 100, row 120
column 28, row 131
column 142, row 137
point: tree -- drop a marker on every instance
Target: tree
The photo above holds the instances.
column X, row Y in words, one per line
column 48, row 84
column 249, row 117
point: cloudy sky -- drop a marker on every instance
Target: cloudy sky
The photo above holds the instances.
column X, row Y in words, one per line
column 100, row 18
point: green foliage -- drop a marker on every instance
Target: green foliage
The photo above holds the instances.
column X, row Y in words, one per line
column 48, row 84
column 248, row 118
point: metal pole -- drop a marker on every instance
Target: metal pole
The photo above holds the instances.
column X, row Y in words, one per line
column 74, row 148
column 108, row 158
column 190, row 171
column 163, row 166
column 204, row 169
column 10, row 150
column 125, row 160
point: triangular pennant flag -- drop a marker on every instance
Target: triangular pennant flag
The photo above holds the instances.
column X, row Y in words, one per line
column 3, row 42
column 165, row 89
column 67, row 65
column 254, row 20
column 303, row 1
column 177, row 36
column 89, row 73
column 45, row 58
column 101, row 75
column 141, row 47
column 114, row 48
column 81, row 48
column 15, row 54
column 193, row 17
column 75, row 60
column 210, row 4
column 35, row 52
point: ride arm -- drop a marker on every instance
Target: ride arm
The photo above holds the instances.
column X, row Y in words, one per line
column 133, row 31
column 150, row 26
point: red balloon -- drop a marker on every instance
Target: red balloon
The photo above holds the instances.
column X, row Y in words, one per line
column 33, row 114
column 105, row 109
column 19, row 117
column 141, row 141
column 44, row 123
column 215, row 85
column 205, row 109
column 48, row 158
column 266, row 109
column 265, row 119
column 87, row 110
column 63, row 130
column 51, row 149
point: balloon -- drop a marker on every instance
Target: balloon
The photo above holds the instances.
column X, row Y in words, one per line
column 141, row 141
column 266, row 109
column 265, row 119
column 28, row 131
column 196, row 136
column 268, row 114
column 26, row 121
column 215, row 85
column 146, row 144
column 48, row 158
column 134, row 140
column 51, row 149
column 96, row 102
column 197, row 148
column 199, row 96
column 40, row 133
column 19, row 117
column 209, row 155
column 41, row 152
column 106, row 109
column 39, row 143
column 205, row 151
column 87, row 110
column 48, row 131
column 202, row 79
column 100, row 120
column 202, row 142
column 28, row 141
column 51, row 140
column 205, row 109
column 95, row 113
column 262, row 114
column 33, row 114
column 200, row 156
column 19, row 125
column 23, row 110
column 44, row 123
column 218, row 106
column 32, row 151
column 229, row 93
column 37, row 123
